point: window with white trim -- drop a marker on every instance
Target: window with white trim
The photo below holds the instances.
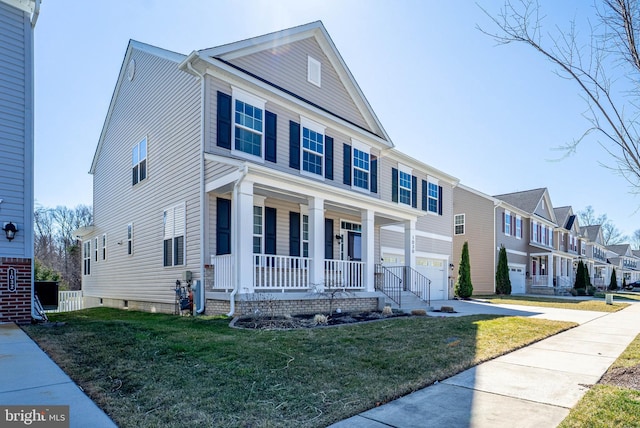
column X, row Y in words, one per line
column 361, row 164
column 404, row 187
column 248, row 117
column 314, row 71
column 432, row 197
column 104, row 246
column 174, row 232
column 312, row 147
column 130, row 239
column 507, row 223
column 258, row 228
column 95, row 249
column 458, row 224
column 139, row 161
column 86, row 258
column 305, row 235
column 518, row 227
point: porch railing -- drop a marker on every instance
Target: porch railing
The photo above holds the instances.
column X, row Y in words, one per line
column 413, row 281
column 540, row 280
column 389, row 283
column 285, row 273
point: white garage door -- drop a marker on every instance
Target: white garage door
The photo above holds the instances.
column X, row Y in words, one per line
column 516, row 275
column 434, row 269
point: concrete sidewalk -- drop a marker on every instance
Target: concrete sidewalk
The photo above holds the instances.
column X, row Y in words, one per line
column 532, row 387
column 30, row 377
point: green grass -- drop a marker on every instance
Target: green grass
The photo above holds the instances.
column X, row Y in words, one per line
column 607, row 405
column 148, row 370
column 550, row 302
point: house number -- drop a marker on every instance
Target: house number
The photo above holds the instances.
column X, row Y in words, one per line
column 11, row 279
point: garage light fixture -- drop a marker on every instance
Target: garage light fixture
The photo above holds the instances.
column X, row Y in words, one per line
column 10, row 230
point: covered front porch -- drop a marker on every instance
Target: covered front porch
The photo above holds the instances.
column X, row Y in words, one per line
column 551, row 270
column 271, row 232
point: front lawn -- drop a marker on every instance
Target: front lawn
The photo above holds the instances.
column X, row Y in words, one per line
column 551, row 302
column 149, row 370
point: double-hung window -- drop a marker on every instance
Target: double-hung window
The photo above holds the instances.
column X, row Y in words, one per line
column 518, row 227
column 95, row 249
column 130, row 239
column 305, row 235
column 104, row 246
column 458, row 224
column 86, row 258
column 312, row 147
column 507, row 223
column 248, row 129
column 139, row 161
column 404, row 186
column 258, row 228
column 432, row 197
column 174, row 232
column 360, row 169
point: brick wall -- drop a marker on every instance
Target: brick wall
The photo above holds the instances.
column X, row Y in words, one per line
column 15, row 305
column 280, row 307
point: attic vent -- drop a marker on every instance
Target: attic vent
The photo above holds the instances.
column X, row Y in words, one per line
column 314, row 71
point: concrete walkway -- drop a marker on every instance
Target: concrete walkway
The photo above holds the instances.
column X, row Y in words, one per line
column 532, row 387
column 30, row 377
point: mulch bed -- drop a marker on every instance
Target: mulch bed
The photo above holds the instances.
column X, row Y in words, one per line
column 308, row 320
column 625, row 377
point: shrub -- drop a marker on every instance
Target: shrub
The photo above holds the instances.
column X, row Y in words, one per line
column 320, row 319
column 580, row 282
column 591, row 290
column 503, row 283
column 613, row 283
column 581, row 291
column 463, row 287
column 573, row 292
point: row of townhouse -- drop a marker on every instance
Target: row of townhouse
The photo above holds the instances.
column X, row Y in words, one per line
column 259, row 168
column 259, row 171
column 543, row 244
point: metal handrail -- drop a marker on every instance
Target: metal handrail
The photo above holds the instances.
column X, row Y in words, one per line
column 389, row 283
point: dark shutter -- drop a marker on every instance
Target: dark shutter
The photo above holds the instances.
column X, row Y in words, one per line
column 394, row 184
column 269, row 230
column 503, row 223
column 294, row 234
column 425, row 193
column 414, row 191
column 224, row 121
column 223, row 226
column 374, row 174
column 328, row 238
column 178, row 250
column 439, row 200
column 328, row 158
column 294, row 145
column 346, row 170
column 270, row 139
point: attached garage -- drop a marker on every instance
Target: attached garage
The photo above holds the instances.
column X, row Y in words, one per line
column 435, row 270
column 517, row 277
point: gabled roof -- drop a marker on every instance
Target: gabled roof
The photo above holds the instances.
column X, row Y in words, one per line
column 528, row 200
column 620, row 249
column 153, row 50
column 564, row 217
column 314, row 30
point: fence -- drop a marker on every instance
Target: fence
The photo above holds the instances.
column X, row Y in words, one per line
column 68, row 301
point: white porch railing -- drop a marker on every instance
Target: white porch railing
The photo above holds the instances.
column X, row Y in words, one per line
column 540, row 280
column 286, row 273
column 343, row 274
column 564, row 282
column 68, row 301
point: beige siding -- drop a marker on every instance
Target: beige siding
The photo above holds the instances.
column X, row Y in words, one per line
column 161, row 103
column 286, row 67
column 479, row 233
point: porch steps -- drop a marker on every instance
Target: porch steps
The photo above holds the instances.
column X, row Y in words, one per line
column 409, row 302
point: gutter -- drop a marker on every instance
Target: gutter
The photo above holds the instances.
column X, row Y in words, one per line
column 35, row 13
column 232, row 298
column 201, row 291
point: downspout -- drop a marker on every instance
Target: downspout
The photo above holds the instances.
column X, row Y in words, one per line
column 35, row 14
column 201, row 292
column 234, row 246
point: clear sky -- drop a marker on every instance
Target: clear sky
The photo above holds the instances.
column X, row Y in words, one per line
column 445, row 93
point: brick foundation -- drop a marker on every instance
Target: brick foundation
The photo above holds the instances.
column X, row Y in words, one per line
column 15, row 303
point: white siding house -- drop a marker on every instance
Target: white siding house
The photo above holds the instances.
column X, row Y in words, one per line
column 260, row 168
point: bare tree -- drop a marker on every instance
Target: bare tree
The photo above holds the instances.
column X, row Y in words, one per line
column 635, row 240
column 610, row 233
column 600, row 66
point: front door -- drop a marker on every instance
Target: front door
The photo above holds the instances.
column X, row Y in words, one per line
column 354, row 246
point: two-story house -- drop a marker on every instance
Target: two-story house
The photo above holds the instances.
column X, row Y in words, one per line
column 17, row 22
column 567, row 245
column 621, row 257
column 596, row 256
column 260, row 168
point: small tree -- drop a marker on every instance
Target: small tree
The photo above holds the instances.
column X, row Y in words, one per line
column 624, row 283
column 580, row 283
column 503, row 282
column 587, row 278
column 464, row 288
column 613, row 284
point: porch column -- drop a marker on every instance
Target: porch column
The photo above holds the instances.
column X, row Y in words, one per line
column 550, row 260
column 242, row 248
column 368, row 258
column 316, row 243
column 410, row 243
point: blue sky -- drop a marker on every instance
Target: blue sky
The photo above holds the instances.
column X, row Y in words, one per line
column 445, row 93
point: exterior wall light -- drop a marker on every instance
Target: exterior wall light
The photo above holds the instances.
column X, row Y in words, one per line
column 10, row 230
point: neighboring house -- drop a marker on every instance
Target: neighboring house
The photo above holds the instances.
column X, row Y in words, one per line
column 260, row 168
column 525, row 224
column 596, row 255
column 17, row 22
column 626, row 263
column 567, row 245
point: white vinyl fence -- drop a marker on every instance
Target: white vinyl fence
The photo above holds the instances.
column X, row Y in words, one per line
column 68, row 301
